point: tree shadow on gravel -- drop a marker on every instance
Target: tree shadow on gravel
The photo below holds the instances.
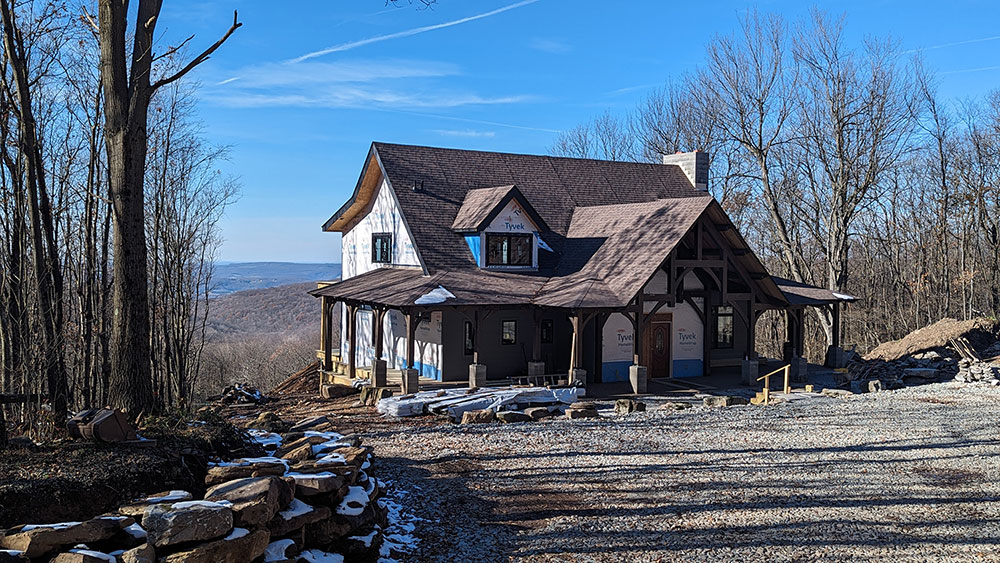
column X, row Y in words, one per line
column 459, row 523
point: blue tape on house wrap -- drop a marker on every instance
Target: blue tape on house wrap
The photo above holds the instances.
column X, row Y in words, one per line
column 688, row 368
column 615, row 371
column 473, row 241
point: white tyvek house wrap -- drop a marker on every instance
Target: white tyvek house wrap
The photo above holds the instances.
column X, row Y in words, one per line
column 356, row 246
column 687, row 338
column 512, row 219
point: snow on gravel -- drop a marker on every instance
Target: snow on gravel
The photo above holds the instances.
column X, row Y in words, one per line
column 907, row 475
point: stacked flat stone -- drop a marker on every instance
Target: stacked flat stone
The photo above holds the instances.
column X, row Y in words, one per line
column 315, row 494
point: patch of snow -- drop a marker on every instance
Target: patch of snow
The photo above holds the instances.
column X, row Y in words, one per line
column 249, row 461
column 332, row 458
column 354, row 502
column 317, row 556
column 201, row 503
column 171, row 496
column 329, row 436
column 367, row 463
column 95, row 554
column 265, row 438
column 59, row 526
column 116, row 552
column 308, row 475
column 135, row 531
column 332, row 444
column 13, row 552
column 844, row 296
column 276, row 550
column 237, row 533
column 398, row 535
column 297, row 508
column 434, row 296
column 367, row 540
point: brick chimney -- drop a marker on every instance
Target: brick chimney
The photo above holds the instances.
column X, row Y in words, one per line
column 693, row 164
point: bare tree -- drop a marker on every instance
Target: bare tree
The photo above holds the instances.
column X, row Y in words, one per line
column 126, row 78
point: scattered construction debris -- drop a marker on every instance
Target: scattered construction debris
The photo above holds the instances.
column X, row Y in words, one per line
column 454, row 403
column 241, row 394
column 104, row 425
column 947, row 349
column 306, row 380
column 979, row 333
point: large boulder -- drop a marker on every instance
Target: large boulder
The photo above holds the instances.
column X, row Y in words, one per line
column 724, row 401
column 137, row 508
column 242, row 468
column 296, row 516
column 82, row 556
column 311, row 484
column 538, row 413
column 255, row 500
column 573, row 413
column 478, row 417
column 142, row 554
column 240, row 546
column 38, row 540
column 626, row 406
column 513, row 416
column 191, row 521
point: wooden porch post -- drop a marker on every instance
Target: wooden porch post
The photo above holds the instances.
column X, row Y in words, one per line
column 475, row 337
column 751, row 330
column 411, row 331
column 574, row 322
column 536, row 344
column 836, row 325
column 352, row 341
column 326, row 334
column 378, row 317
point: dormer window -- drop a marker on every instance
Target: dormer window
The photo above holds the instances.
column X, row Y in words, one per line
column 381, row 248
column 508, row 250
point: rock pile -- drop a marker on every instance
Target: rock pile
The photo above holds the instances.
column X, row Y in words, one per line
column 313, row 498
column 970, row 371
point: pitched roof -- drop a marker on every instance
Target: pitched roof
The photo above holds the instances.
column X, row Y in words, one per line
column 553, row 186
column 482, row 205
column 600, row 218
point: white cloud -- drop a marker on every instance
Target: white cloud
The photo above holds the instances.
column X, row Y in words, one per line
column 408, row 32
column 464, row 133
column 347, row 84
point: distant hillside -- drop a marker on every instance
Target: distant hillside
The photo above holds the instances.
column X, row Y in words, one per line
column 282, row 310
column 231, row 277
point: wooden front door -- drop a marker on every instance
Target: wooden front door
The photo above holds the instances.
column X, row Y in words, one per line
column 657, row 337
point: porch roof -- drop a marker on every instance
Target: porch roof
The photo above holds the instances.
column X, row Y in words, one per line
column 798, row 293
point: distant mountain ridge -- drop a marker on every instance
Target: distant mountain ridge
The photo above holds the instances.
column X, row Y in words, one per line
column 230, row 277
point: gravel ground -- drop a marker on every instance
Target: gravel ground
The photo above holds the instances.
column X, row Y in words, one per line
column 903, row 475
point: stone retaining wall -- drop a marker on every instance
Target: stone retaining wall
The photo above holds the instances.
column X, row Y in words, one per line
column 315, row 498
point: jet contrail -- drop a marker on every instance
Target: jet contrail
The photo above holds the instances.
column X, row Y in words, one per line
column 407, row 33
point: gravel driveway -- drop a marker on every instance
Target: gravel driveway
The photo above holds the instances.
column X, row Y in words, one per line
column 900, row 475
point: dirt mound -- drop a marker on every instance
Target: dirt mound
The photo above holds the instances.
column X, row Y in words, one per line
column 306, row 380
column 980, row 332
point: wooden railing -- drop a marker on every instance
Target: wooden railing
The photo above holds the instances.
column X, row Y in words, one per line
column 767, row 382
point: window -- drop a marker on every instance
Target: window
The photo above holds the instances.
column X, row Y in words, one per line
column 508, row 332
column 508, row 250
column 470, row 338
column 724, row 326
column 381, row 248
column 547, row 331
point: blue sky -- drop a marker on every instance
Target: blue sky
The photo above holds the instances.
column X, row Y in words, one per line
column 300, row 93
